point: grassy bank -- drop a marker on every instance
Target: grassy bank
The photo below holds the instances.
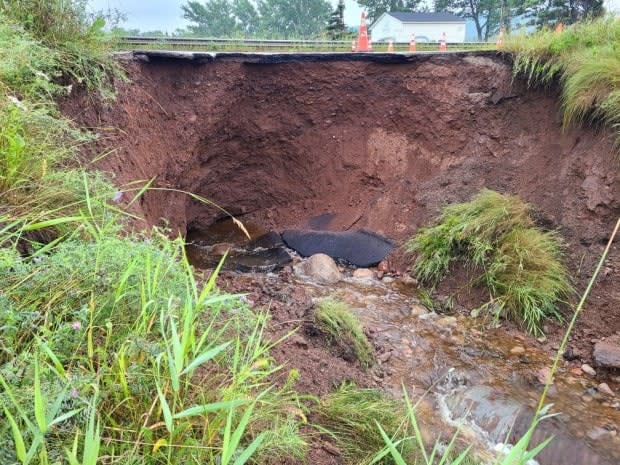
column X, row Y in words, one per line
column 112, row 350
column 585, row 58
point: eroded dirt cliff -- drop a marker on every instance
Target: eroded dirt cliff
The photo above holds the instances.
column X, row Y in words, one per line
column 374, row 145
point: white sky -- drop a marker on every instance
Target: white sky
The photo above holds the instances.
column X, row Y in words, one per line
column 166, row 15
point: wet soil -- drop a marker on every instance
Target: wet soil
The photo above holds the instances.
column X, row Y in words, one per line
column 460, row 367
column 362, row 144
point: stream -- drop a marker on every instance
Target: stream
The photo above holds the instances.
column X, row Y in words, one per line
column 472, row 375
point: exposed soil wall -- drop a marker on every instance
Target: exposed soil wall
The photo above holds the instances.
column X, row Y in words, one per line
column 378, row 145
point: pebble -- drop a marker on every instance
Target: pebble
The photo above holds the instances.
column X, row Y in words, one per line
column 417, row 310
column 383, row 266
column 576, row 371
column 597, row 433
column 588, row 370
column 363, row 273
column 607, row 352
column 387, row 279
column 447, row 321
column 543, row 375
column 408, row 279
column 384, row 357
column 428, row 316
column 604, row 388
column 516, row 350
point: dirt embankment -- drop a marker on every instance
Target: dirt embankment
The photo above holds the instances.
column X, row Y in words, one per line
column 382, row 146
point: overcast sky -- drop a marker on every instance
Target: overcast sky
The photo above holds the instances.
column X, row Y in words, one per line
column 166, row 15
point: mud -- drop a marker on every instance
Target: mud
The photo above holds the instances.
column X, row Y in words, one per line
column 357, row 145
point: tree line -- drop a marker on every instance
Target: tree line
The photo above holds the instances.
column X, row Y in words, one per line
column 319, row 18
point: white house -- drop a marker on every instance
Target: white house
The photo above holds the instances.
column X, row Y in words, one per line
column 428, row 27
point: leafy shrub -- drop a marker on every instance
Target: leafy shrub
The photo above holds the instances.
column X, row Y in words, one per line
column 335, row 319
column 494, row 233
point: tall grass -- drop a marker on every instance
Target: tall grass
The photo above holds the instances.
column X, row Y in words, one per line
column 494, row 234
column 175, row 370
column 350, row 415
column 585, row 58
column 111, row 349
column 80, row 44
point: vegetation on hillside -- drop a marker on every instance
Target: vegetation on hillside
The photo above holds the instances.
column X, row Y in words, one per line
column 585, row 58
column 336, row 320
column 109, row 344
column 494, row 234
column 77, row 40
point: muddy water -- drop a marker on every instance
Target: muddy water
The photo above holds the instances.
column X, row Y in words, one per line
column 481, row 379
column 472, row 373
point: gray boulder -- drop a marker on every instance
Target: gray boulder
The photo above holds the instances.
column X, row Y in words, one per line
column 607, row 352
column 321, row 268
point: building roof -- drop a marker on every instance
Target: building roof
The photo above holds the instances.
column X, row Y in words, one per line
column 406, row 17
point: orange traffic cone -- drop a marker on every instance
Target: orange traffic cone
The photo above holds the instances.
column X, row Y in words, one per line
column 412, row 43
column 390, row 46
column 443, row 45
column 362, row 39
column 500, row 39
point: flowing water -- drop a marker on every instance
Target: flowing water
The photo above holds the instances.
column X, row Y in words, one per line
column 472, row 375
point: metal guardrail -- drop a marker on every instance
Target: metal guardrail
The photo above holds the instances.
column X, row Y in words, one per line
column 276, row 43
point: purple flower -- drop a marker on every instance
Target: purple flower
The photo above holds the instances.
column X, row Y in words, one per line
column 74, row 393
column 76, row 325
column 117, row 197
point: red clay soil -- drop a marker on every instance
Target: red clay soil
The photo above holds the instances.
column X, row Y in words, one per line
column 381, row 146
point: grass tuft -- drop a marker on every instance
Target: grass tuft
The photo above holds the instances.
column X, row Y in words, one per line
column 337, row 321
column 585, row 58
column 521, row 265
column 351, row 414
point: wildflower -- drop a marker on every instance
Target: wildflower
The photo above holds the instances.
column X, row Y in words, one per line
column 74, row 393
column 76, row 325
column 117, row 197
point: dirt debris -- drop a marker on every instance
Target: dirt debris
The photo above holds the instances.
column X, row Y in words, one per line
column 381, row 146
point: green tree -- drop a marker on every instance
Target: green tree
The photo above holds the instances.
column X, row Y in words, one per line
column 213, row 18
column 550, row 12
column 486, row 14
column 376, row 8
column 247, row 17
column 336, row 27
column 292, row 19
